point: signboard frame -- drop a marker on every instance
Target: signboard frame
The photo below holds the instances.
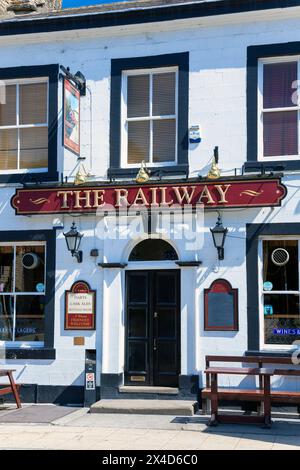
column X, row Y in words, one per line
column 80, row 288
column 68, row 142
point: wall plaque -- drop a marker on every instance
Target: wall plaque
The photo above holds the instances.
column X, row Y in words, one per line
column 80, row 307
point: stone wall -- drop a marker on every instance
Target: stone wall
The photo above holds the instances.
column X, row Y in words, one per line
column 21, row 7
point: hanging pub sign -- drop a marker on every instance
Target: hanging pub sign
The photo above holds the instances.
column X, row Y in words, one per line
column 90, row 199
column 80, row 307
column 71, row 117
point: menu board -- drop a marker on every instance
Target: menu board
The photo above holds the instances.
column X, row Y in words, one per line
column 80, row 307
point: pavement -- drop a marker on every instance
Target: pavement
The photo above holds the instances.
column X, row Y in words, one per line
column 70, row 428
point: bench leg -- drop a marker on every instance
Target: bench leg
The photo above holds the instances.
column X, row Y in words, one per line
column 267, row 401
column 206, row 406
column 214, row 400
column 14, row 389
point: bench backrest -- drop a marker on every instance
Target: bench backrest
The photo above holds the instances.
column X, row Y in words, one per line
column 257, row 360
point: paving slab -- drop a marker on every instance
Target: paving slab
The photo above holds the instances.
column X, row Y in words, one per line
column 36, row 414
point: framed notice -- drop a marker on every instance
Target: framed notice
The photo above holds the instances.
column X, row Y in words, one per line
column 80, row 307
column 220, row 307
column 71, row 117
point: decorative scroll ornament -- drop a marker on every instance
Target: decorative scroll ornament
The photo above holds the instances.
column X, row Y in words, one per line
column 214, row 172
column 143, row 175
column 81, row 176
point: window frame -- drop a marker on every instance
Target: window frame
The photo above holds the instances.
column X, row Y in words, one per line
column 179, row 60
column 15, row 293
column 261, row 110
column 19, row 126
column 254, row 55
column 35, row 351
column 151, row 118
column 261, row 292
column 37, row 72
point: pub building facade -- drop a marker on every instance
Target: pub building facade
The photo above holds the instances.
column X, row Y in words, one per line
column 166, row 134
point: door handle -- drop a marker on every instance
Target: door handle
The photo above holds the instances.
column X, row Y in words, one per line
column 154, row 344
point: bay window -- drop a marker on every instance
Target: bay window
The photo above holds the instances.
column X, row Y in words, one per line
column 22, row 292
column 280, row 292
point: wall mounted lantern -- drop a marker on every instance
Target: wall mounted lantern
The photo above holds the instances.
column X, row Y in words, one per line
column 219, row 234
column 73, row 240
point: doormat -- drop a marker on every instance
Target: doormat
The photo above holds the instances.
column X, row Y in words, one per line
column 36, row 414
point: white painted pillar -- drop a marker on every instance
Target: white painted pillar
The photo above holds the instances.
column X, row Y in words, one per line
column 113, row 321
column 188, row 320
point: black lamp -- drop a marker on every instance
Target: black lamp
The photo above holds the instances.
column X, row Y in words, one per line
column 73, row 240
column 219, row 234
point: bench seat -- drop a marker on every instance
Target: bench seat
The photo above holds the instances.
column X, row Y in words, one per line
column 279, row 396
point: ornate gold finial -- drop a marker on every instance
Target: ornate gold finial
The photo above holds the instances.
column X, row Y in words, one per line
column 214, row 172
column 81, row 176
column 143, row 174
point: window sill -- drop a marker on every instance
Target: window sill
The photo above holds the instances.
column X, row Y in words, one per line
column 28, row 353
column 278, row 166
column 28, row 177
column 155, row 171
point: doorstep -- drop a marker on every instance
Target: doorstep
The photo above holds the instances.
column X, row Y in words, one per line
column 146, row 407
column 148, row 389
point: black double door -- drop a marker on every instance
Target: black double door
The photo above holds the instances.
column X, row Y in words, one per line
column 152, row 328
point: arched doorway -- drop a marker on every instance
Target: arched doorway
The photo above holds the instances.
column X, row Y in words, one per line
column 152, row 341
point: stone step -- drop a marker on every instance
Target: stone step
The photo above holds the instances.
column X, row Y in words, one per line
column 147, row 407
column 148, row 389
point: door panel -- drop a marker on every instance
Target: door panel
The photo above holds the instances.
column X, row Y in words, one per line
column 152, row 328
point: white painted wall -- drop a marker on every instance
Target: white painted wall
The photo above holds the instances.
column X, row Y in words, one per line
column 217, row 102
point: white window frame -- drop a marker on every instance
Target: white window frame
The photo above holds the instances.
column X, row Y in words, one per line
column 125, row 119
column 260, row 140
column 261, row 292
column 18, row 126
column 22, row 344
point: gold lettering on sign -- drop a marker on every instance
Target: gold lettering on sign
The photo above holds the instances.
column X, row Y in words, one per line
column 163, row 198
column 154, row 197
column 140, row 198
column 222, row 192
column 79, row 199
column 206, row 194
column 121, row 199
column 64, row 194
column 98, row 197
column 186, row 195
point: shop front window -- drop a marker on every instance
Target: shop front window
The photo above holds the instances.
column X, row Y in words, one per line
column 22, row 292
column 281, row 292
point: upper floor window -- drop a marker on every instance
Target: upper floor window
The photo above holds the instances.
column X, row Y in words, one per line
column 149, row 117
column 24, row 125
column 279, row 109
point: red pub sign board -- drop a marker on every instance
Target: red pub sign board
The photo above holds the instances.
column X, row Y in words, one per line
column 80, row 307
column 90, row 199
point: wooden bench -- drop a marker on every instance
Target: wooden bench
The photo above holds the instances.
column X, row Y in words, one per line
column 252, row 395
column 12, row 387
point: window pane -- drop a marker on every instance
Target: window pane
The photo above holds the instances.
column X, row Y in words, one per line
column 138, row 141
column 30, row 269
column 33, row 103
column 280, row 133
column 164, row 94
column 278, row 80
column 164, row 139
column 282, row 277
column 8, row 113
column 8, row 149
column 34, row 148
column 282, row 319
column 138, row 96
column 6, row 317
column 6, row 268
column 29, row 318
